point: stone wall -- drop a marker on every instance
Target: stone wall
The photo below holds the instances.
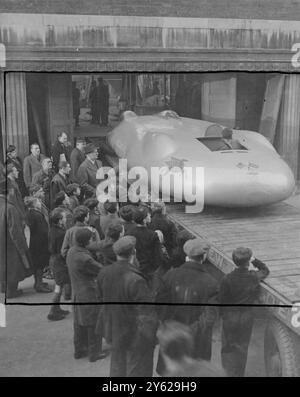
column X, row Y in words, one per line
column 247, row 9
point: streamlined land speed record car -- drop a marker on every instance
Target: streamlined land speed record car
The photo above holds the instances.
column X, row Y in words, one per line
column 244, row 173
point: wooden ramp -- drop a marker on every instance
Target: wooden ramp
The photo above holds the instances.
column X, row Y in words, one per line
column 273, row 232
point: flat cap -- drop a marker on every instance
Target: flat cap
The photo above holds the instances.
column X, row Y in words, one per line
column 89, row 148
column 124, row 245
column 195, row 247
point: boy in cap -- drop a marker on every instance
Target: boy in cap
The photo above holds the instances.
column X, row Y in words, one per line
column 87, row 170
column 191, row 283
column 240, row 287
column 129, row 328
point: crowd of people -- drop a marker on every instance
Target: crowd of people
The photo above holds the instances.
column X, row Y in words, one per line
column 133, row 277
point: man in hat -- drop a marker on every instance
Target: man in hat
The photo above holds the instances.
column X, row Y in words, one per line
column 87, row 170
column 240, row 287
column 129, row 328
column 77, row 157
column 191, row 283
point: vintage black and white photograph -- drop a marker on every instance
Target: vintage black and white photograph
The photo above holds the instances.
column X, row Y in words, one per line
column 149, row 189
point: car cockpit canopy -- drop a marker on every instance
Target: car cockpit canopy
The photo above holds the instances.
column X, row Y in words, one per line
column 217, row 138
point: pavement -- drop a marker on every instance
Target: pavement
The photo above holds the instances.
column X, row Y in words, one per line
column 33, row 346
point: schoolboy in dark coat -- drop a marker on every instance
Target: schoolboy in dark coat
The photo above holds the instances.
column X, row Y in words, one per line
column 83, row 271
column 240, row 287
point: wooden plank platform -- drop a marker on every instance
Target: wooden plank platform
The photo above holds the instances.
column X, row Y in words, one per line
column 273, row 232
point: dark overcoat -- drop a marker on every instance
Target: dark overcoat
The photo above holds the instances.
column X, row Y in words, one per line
column 57, row 150
column 17, row 197
column 77, row 157
column 121, row 324
column 17, row 162
column 58, row 184
column 83, row 271
column 87, row 172
column 13, row 246
column 191, row 283
column 148, row 248
column 57, row 262
column 167, row 227
column 38, row 245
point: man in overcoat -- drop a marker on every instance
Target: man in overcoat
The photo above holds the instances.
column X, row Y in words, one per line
column 130, row 328
column 59, row 150
column 32, row 164
column 87, row 170
column 60, row 181
column 103, row 101
column 15, row 263
column 191, row 283
column 77, row 157
column 83, row 271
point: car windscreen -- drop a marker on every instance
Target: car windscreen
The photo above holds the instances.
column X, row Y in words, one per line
column 216, row 144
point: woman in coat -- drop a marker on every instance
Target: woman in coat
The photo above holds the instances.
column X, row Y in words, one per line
column 38, row 245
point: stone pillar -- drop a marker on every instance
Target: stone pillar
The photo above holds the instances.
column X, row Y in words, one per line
column 16, row 112
column 289, row 124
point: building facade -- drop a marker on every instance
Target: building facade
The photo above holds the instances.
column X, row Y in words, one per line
column 239, row 54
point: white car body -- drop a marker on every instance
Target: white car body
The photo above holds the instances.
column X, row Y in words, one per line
column 251, row 176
